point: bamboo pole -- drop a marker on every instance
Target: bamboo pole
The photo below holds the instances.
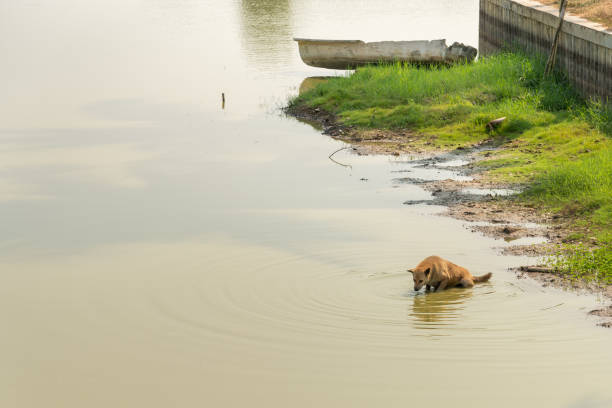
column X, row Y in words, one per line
column 553, row 49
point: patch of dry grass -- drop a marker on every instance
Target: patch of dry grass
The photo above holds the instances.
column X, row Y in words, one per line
column 599, row 11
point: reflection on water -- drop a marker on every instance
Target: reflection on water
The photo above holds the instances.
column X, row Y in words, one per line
column 310, row 82
column 266, row 31
column 437, row 309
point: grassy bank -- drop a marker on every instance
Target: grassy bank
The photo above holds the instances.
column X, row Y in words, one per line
column 553, row 142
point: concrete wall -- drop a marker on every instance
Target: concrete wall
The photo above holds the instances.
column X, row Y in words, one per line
column 585, row 48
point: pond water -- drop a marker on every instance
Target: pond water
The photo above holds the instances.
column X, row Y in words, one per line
column 159, row 249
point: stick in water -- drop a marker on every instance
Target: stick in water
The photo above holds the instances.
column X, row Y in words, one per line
column 336, row 151
column 540, row 269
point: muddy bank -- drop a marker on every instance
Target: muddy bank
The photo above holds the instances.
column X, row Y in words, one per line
column 488, row 207
column 366, row 141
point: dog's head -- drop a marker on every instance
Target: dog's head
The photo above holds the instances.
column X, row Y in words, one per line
column 420, row 277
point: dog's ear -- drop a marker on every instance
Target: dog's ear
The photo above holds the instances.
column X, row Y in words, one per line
column 427, row 271
column 410, row 270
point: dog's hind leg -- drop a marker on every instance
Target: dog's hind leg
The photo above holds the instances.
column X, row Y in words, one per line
column 466, row 283
column 441, row 285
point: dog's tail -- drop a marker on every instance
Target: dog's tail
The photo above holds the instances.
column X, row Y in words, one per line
column 483, row 278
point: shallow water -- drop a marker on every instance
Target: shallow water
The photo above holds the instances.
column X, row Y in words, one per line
column 158, row 249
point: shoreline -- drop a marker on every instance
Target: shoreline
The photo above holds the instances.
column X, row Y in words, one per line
column 502, row 215
column 497, row 216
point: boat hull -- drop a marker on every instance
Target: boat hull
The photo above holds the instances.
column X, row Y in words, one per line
column 349, row 54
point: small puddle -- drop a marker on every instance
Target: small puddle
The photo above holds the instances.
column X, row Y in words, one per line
column 453, row 163
column 526, row 240
column 526, row 225
column 489, row 191
column 418, row 175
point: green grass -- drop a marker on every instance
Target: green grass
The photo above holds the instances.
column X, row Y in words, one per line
column 450, row 106
column 553, row 141
column 501, row 77
column 580, row 189
column 581, row 262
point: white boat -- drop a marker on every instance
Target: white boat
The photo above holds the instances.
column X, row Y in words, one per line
column 349, row 54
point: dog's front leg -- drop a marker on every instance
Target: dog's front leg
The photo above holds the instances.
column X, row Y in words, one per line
column 427, row 288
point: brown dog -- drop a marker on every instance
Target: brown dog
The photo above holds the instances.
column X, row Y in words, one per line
column 438, row 273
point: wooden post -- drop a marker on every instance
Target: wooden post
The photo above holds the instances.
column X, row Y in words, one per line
column 553, row 50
